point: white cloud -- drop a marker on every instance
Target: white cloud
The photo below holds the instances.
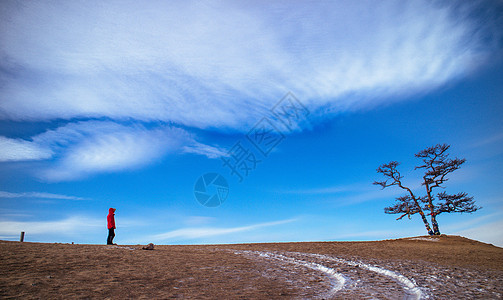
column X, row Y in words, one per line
column 18, row 149
column 94, row 147
column 381, row 234
column 488, row 140
column 43, row 195
column 485, row 228
column 219, row 65
column 350, row 194
column 487, row 146
column 207, row 150
column 69, row 226
column 488, row 233
column 83, row 148
column 203, row 232
column 223, row 64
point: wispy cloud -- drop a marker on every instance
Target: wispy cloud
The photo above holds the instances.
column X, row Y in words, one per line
column 480, row 228
column 488, row 140
column 42, row 195
column 487, row 233
column 83, row 148
column 381, row 234
column 72, row 225
column 487, row 146
column 18, row 149
column 106, row 146
column 203, row 232
column 206, row 150
column 221, row 64
column 473, row 222
column 355, row 193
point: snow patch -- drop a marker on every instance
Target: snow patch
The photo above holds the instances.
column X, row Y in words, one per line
column 120, row 247
column 336, row 280
column 424, row 239
column 408, row 284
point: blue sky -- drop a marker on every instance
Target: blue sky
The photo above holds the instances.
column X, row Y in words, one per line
column 126, row 104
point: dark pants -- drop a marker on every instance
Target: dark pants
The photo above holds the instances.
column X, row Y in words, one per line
column 111, row 235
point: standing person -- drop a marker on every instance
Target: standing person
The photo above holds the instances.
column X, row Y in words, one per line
column 111, row 225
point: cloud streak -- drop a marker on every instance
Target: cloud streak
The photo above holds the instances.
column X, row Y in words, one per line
column 42, row 195
column 485, row 233
column 69, row 226
column 80, row 149
column 190, row 233
column 206, row 150
column 106, row 146
column 223, row 64
column 18, row 149
column 211, row 65
column 356, row 193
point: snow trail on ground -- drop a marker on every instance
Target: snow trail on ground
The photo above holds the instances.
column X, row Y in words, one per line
column 120, row 247
column 423, row 239
column 336, row 279
column 410, row 287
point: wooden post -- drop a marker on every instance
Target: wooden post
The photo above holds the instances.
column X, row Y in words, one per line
column 22, row 237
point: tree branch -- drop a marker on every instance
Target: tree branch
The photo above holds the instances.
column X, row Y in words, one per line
column 459, row 202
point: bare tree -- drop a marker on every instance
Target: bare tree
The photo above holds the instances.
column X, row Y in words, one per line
column 406, row 205
column 437, row 165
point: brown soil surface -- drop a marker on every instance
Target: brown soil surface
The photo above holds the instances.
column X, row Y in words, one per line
column 443, row 267
column 444, row 250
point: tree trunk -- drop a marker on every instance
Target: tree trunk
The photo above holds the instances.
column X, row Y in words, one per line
column 436, row 231
column 426, row 224
column 432, row 209
column 425, row 221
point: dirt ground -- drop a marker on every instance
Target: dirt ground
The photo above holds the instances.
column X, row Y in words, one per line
column 446, row 267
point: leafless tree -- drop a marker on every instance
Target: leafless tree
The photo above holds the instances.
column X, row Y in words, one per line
column 436, row 165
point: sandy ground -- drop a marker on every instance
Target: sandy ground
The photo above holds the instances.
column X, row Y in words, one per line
column 446, row 267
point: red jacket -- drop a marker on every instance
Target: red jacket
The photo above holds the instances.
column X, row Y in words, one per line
column 111, row 218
